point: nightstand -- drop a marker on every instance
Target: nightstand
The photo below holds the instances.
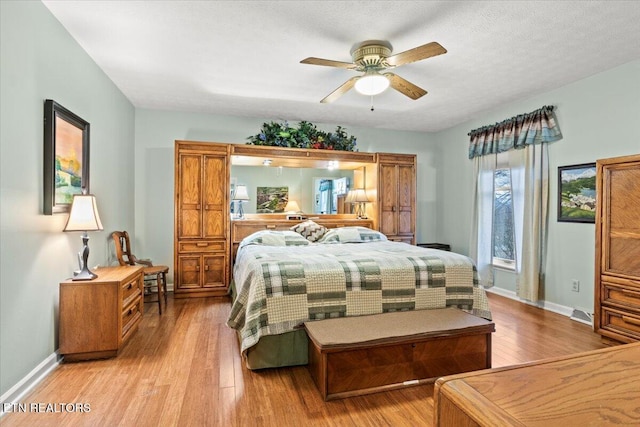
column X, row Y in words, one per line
column 98, row 316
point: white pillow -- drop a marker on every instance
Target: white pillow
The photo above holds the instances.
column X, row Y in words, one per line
column 274, row 238
column 352, row 235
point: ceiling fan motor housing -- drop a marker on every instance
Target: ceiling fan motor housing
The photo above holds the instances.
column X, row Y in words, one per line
column 371, row 55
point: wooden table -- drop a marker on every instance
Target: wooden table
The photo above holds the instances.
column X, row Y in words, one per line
column 595, row 388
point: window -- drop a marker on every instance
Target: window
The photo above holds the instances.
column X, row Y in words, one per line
column 503, row 240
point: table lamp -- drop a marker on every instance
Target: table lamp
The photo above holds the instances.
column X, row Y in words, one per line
column 84, row 217
column 358, row 197
column 292, row 207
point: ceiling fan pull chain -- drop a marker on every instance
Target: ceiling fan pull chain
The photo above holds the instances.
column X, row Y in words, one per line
column 371, row 102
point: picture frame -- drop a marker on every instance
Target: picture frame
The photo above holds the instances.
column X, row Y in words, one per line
column 577, row 193
column 66, row 157
column 271, row 199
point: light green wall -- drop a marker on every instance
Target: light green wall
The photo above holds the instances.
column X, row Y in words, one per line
column 156, row 132
column 599, row 118
column 40, row 60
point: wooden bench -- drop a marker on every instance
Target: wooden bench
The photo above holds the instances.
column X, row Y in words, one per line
column 352, row 356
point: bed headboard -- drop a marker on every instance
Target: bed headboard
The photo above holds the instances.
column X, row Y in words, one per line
column 244, row 227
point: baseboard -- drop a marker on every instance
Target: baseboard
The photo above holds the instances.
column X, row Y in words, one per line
column 26, row 384
column 546, row 305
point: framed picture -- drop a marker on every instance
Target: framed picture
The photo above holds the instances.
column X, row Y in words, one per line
column 271, row 199
column 66, row 157
column 577, row 193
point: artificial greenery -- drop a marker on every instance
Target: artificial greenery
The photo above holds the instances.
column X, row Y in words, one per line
column 306, row 135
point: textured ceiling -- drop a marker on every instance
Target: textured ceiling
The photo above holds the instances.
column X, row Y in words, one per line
column 243, row 57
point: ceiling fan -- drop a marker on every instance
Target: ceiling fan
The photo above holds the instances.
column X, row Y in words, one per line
column 373, row 58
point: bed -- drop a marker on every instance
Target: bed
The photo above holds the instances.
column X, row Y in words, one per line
column 282, row 279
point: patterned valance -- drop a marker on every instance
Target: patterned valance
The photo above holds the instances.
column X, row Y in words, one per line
column 536, row 127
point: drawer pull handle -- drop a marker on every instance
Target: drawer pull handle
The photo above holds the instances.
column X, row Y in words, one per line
column 206, row 267
column 130, row 286
column 202, row 244
column 632, row 293
column 198, row 206
column 130, row 312
column 631, row 320
column 271, row 226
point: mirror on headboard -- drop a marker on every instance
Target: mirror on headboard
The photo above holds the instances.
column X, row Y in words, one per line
column 317, row 185
column 315, row 190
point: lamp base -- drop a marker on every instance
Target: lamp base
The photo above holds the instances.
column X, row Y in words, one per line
column 84, row 274
column 240, row 213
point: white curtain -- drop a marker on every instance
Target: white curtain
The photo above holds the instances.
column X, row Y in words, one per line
column 530, row 194
column 481, row 250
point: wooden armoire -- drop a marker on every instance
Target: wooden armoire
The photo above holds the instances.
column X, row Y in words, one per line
column 201, row 237
column 202, row 223
column 397, row 196
column 617, row 263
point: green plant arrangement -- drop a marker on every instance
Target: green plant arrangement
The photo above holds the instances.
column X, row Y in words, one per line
column 306, row 135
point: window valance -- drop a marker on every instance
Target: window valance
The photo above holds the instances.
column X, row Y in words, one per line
column 536, row 127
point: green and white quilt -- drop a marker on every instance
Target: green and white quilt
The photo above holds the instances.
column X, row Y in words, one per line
column 281, row 287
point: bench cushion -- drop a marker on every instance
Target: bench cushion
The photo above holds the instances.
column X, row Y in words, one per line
column 391, row 327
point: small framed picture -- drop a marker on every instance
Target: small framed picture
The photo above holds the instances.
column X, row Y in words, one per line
column 66, row 157
column 577, row 193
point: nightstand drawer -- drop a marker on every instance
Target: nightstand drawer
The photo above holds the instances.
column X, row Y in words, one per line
column 201, row 246
column 130, row 316
column 130, row 289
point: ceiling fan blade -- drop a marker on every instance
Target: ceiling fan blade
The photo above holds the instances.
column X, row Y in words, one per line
column 405, row 87
column 416, row 54
column 328, row 63
column 346, row 86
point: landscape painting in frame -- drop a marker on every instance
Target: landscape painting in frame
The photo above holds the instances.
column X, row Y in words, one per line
column 271, row 199
column 66, row 157
column 577, row 193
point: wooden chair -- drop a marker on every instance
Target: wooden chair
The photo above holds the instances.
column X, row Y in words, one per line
column 155, row 276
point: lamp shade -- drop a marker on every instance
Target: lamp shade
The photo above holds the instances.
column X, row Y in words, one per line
column 360, row 196
column 351, row 196
column 84, row 214
column 292, row 207
column 372, row 83
column 241, row 193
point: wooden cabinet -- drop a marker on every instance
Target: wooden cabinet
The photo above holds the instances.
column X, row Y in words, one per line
column 98, row 316
column 201, row 219
column 397, row 196
column 617, row 272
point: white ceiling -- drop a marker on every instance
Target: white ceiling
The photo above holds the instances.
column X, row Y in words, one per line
column 243, row 57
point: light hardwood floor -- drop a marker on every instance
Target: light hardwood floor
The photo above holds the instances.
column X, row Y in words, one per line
column 184, row 368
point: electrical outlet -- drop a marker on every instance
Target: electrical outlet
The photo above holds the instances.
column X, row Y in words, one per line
column 575, row 285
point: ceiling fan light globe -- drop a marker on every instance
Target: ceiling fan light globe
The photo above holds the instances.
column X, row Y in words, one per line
column 372, row 84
